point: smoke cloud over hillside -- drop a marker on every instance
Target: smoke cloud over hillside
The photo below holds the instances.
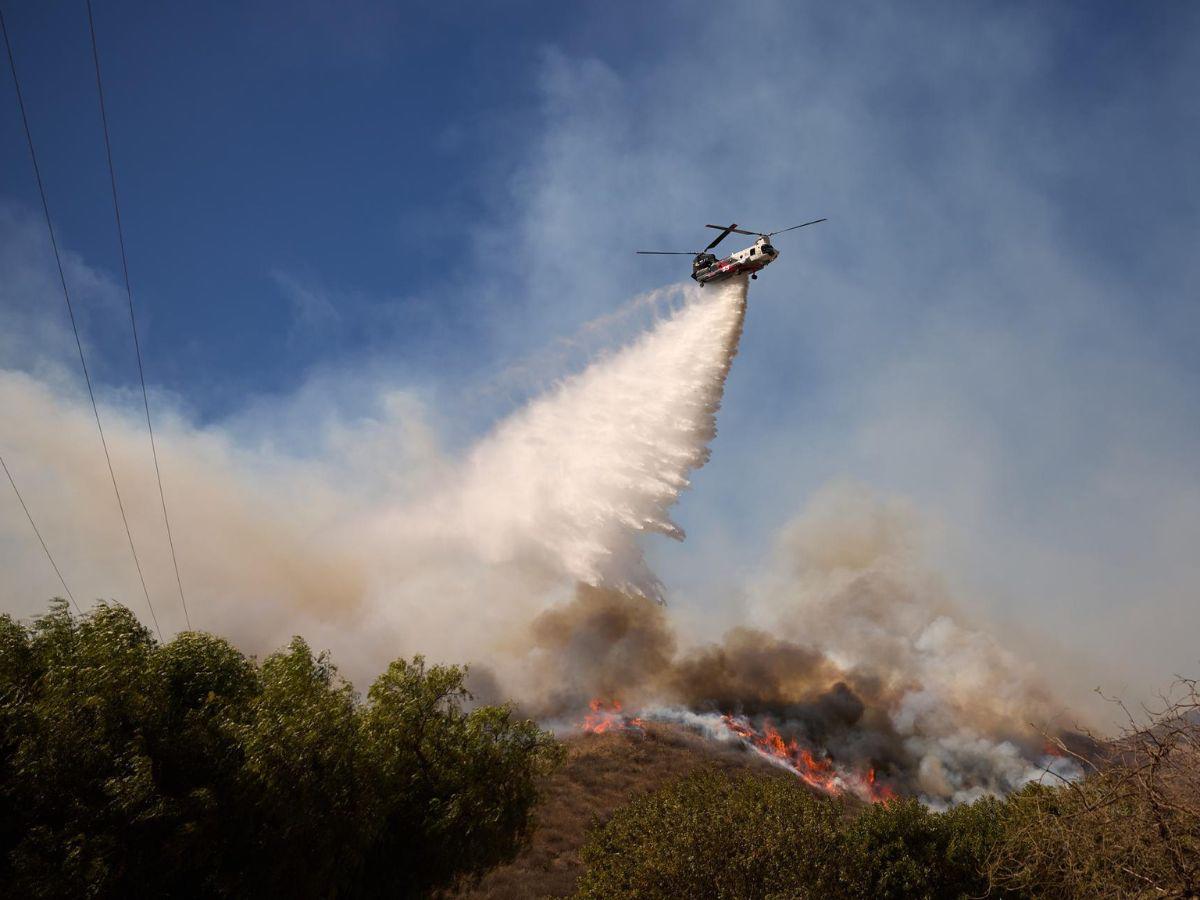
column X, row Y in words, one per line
column 523, row 555
column 856, row 662
column 364, row 533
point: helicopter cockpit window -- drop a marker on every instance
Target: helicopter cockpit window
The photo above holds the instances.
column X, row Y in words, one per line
column 752, row 251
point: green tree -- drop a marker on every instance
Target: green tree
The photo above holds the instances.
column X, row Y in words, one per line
column 974, row 834
column 456, row 789
column 129, row 768
column 207, row 690
column 82, row 780
column 304, row 777
column 19, row 670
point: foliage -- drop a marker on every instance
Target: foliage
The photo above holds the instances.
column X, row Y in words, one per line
column 712, row 835
column 454, row 791
column 902, row 849
column 1131, row 828
column 130, row 768
column 756, row 836
column 1102, row 837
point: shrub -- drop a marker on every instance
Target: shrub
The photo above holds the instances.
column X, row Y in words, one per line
column 1099, row 838
column 712, row 835
column 1129, row 829
column 756, row 836
column 902, row 849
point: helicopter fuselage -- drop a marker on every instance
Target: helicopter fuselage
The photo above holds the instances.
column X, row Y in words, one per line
column 706, row 268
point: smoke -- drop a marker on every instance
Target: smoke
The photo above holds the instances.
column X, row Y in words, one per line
column 524, row 555
column 914, row 736
column 861, row 659
column 363, row 533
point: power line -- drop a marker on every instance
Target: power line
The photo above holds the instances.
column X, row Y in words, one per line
column 112, row 177
column 71, row 313
column 39, row 536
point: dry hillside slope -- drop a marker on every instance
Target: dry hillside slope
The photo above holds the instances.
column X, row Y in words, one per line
column 601, row 772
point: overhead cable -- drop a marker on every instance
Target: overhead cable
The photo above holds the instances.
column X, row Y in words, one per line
column 112, row 177
column 71, row 313
column 41, row 541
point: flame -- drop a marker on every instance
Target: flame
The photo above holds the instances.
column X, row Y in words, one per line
column 813, row 767
column 607, row 716
column 817, row 771
column 878, row 793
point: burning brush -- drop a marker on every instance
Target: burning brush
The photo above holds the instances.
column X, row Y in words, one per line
column 811, row 766
column 928, row 726
column 607, row 716
column 814, row 770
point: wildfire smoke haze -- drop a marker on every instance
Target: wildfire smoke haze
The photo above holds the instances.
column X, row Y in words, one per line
column 859, row 678
column 870, row 730
column 524, row 556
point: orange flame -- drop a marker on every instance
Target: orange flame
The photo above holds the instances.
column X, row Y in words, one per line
column 607, row 716
column 878, row 793
column 817, row 771
column 813, row 768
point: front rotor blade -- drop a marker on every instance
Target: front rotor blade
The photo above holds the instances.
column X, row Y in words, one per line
column 794, row 227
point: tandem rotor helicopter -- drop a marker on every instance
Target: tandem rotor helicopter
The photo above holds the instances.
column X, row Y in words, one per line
column 707, row 268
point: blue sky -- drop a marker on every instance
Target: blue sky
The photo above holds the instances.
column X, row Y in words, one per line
column 334, row 143
column 998, row 321
column 361, row 148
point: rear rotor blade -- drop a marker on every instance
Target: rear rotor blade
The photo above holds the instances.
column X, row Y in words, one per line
column 727, row 229
column 794, row 227
column 667, row 252
column 724, row 229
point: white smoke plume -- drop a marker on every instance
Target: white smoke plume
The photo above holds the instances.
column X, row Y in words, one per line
column 849, row 578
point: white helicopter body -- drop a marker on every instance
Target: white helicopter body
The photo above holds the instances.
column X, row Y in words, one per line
column 706, row 268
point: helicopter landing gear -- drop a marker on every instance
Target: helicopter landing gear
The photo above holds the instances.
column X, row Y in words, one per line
column 755, row 275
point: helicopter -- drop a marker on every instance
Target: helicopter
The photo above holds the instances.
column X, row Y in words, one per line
column 707, row 268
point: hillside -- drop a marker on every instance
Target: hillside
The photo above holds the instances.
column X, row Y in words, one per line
column 601, row 772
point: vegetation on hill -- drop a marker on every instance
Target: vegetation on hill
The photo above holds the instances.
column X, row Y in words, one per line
column 600, row 774
column 715, row 835
column 749, row 835
column 133, row 768
column 186, row 769
column 1131, row 828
